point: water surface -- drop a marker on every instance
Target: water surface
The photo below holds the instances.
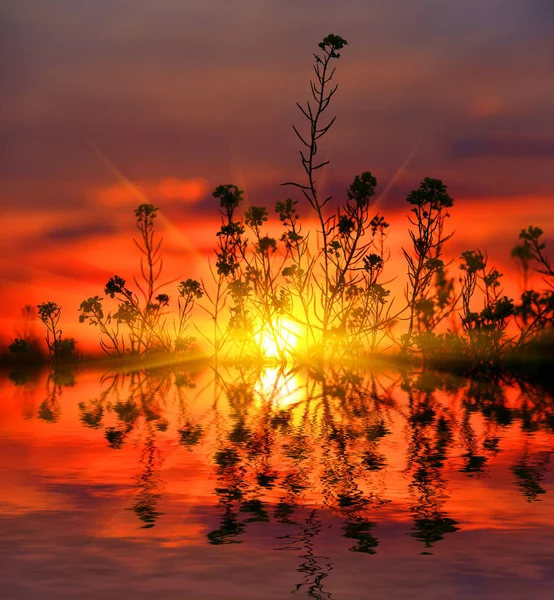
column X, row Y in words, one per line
column 249, row 483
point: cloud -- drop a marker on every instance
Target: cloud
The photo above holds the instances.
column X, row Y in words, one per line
column 188, row 191
column 78, row 232
column 511, row 147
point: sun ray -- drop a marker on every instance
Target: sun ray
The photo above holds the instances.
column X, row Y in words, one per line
column 140, row 197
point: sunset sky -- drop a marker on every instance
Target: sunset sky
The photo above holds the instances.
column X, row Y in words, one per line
column 106, row 103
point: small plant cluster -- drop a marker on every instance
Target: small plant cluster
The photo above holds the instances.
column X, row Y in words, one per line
column 59, row 348
column 140, row 325
column 323, row 290
column 331, row 287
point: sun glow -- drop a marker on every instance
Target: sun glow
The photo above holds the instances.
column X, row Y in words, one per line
column 280, row 338
column 285, row 389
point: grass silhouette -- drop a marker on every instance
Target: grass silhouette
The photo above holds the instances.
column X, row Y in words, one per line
column 322, row 287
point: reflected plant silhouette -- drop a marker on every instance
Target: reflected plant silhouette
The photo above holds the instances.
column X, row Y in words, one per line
column 324, row 457
column 310, row 567
column 313, row 446
column 430, row 439
column 58, row 377
column 149, row 485
column 474, row 461
column 529, row 473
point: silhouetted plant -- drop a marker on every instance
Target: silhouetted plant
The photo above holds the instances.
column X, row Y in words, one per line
column 21, row 348
column 358, row 303
column 142, row 316
column 49, row 314
column 263, row 268
column 330, row 288
column 485, row 329
column 25, row 347
column 187, row 293
column 230, row 247
column 59, row 348
column 322, row 95
column 533, row 248
column 430, row 204
column 332, row 291
column 65, row 349
column 297, row 274
column 144, row 319
column 113, row 343
column 347, row 264
column 535, row 311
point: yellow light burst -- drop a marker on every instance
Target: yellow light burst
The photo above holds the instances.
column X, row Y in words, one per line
column 284, row 389
column 279, row 339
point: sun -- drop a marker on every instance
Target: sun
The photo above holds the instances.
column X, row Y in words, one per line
column 279, row 339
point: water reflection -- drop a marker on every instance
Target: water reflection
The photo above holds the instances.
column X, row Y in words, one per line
column 306, row 452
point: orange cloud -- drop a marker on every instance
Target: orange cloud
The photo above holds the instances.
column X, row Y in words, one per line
column 486, row 106
column 188, row 190
column 171, row 188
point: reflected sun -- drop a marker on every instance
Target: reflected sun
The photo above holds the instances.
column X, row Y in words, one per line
column 282, row 388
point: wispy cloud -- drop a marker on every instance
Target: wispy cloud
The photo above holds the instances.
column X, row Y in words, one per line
column 512, row 147
column 187, row 191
